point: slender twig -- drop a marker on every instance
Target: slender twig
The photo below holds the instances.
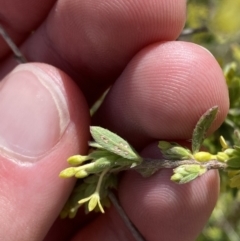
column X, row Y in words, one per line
column 17, row 53
column 148, row 163
column 149, row 166
column 136, row 234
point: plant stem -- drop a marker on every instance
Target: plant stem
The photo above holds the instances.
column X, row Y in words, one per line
column 101, row 179
column 136, row 234
column 150, row 166
column 17, row 53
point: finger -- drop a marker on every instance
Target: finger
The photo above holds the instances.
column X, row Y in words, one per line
column 92, row 41
column 163, row 92
column 108, row 226
column 44, row 120
column 161, row 95
column 19, row 19
column 160, row 208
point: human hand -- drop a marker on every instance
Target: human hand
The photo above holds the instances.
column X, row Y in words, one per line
column 160, row 89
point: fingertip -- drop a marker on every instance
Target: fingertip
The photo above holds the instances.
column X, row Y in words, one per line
column 163, row 92
column 45, row 119
column 161, row 208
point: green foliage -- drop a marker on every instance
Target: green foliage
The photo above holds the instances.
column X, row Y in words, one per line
column 173, row 151
column 113, row 143
column 199, row 132
column 98, row 170
column 112, row 154
column 187, row 173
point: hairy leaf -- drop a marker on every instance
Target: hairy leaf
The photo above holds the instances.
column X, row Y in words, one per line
column 202, row 127
column 113, row 143
column 188, row 178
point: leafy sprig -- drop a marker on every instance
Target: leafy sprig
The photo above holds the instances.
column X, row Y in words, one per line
column 109, row 154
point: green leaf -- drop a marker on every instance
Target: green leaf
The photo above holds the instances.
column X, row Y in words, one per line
column 234, row 162
column 95, row 145
column 91, row 179
column 96, row 154
column 113, row 143
column 188, row 178
column 103, row 163
column 202, row 127
column 177, row 153
column 125, row 162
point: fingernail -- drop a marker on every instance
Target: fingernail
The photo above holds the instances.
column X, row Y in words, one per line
column 33, row 112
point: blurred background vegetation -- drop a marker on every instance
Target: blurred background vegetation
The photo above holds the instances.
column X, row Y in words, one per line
column 215, row 24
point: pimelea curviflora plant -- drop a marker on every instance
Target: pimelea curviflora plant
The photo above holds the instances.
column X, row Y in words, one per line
column 109, row 154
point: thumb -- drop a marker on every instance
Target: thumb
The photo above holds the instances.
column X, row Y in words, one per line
column 39, row 129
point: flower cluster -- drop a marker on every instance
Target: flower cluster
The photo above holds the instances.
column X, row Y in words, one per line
column 108, row 155
column 200, row 162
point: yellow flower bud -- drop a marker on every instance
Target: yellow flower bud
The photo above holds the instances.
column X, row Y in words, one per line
column 192, row 168
column 176, row 177
column 68, row 172
column 93, row 202
column 202, row 156
column 77, row 159
column 221, row 156
column 223, row 143
column 164, row 145
column 81, row 174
